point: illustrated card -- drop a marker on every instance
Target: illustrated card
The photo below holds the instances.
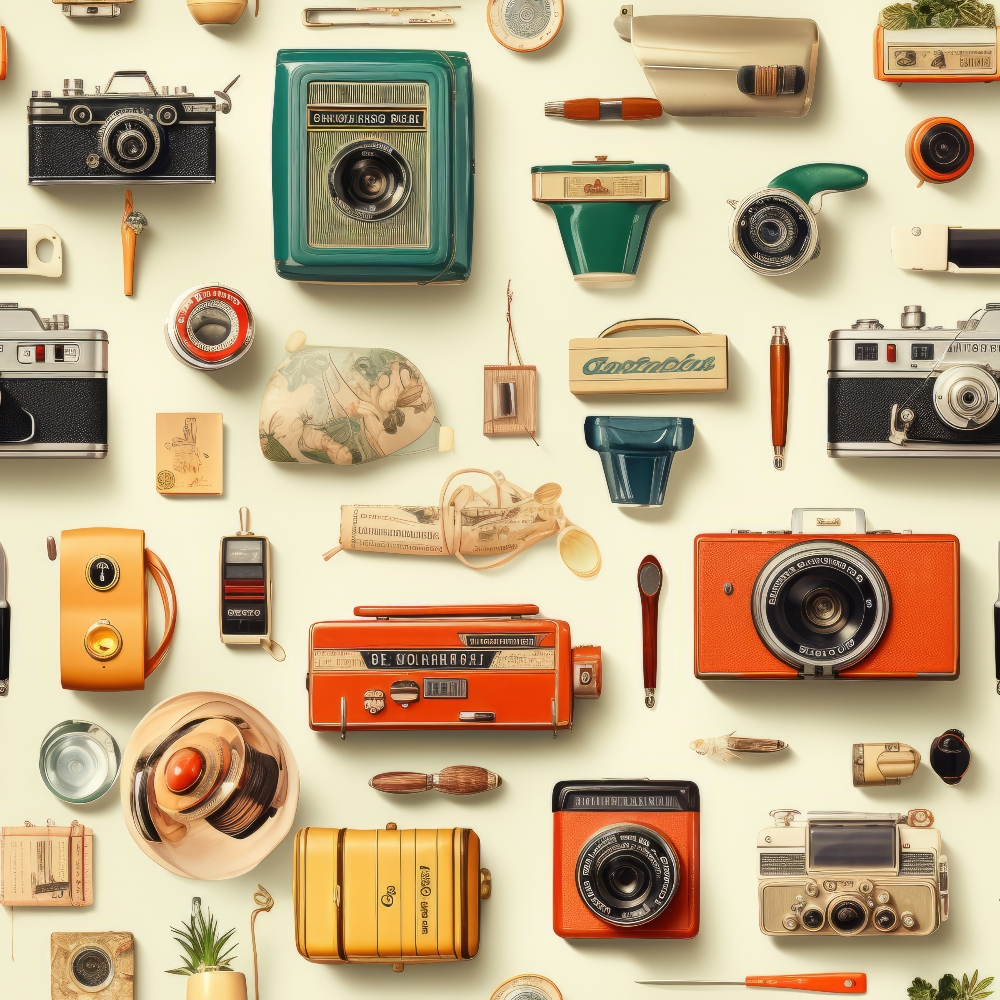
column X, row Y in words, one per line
column 189, row 454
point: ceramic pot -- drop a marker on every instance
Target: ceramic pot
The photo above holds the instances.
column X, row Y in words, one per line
column 217, row 986
column 217, row 11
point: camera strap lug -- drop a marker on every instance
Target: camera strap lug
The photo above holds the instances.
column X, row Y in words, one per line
column 817, row 670
column 226, row 104
column 900, row 421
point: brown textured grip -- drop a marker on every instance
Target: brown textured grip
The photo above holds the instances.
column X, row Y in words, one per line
column 583, row 109
column 401, row 782
column 779, row 394
column 465, row 779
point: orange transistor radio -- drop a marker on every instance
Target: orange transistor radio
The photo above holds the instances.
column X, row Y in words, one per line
column 448, row 667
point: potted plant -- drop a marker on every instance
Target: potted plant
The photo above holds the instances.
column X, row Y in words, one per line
column 207, row 959
column 951, row 988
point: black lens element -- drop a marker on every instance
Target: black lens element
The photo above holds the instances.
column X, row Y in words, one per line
column 813, row 919
column 944, row 148
column 773, row 232
column 370, row 180
column 92, row 968
column 885, row 919
column 848, row 916
column 626, row 875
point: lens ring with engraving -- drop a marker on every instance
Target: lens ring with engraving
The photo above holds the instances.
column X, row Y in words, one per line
column 939, row 150
column 627, row 875
column 130, row 141
column 885, row 919
column 773, row 232
column 92, row 968
column 966, row 397
column 821, row 603
column 210, row 327
column 370, row 180
column 847, row 915
column 527, row 987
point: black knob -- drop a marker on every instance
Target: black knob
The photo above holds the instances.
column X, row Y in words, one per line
column 813, row 919
column 885, row 919
column 951, row 756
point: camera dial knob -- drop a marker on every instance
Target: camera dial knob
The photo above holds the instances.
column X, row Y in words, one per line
column 885, row 919
column 791, row 922
column 812, row 889
column 865, row 886
column 882, row 898
column 908, row 920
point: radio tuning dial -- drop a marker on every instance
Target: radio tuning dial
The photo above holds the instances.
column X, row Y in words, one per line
column 908, row 920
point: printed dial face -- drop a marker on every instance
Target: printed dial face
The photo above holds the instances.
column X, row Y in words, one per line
column 525, row 25
column 103, row 641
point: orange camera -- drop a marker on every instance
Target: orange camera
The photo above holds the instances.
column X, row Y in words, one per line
column 448, row 667
column 828, row 599
column 626, row 859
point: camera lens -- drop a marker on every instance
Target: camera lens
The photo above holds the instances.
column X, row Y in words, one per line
column 773, row 233
column 885, row 919
column 939, row 150
column 813, row 919
column 945, row 147
column 820, row 606
column 211, row 325
column 130, row 141
column 966, row 397
column 92, row 968
column 626, row 875
column 370, row 180
column 848, row 916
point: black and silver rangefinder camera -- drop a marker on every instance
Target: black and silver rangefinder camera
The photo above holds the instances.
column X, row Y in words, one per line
column 852, row 874
column 920, row 390
column 128, row 133
column 53, row 387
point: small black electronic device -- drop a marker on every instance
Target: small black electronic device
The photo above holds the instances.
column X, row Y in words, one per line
column 128, row 133
column 920, row 390
column 53, row 387
column 245, row 589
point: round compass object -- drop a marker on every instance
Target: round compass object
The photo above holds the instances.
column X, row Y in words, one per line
column 525, row 25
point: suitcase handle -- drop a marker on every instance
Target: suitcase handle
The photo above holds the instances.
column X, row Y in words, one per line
column 648, row 324
column 448, row 611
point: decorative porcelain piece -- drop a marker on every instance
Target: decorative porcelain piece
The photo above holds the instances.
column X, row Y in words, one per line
column 637, row 453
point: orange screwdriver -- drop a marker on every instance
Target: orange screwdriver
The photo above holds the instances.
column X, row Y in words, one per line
column 815, row 982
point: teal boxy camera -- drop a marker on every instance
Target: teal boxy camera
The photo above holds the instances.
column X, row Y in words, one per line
column 372, row 166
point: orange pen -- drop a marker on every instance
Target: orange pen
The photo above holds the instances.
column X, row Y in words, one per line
column 779, row 395
column 593, row 109
column 814, row 982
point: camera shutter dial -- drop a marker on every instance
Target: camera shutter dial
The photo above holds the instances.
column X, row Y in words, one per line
column 966, row 397
column 820, row 606
column 166, row 114
column 92, row 968
column 80, row 114
column 627, row 875
column 130, row 141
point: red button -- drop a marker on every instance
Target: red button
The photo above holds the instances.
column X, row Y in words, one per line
column 184, row 770
column 890, row 352
column 39, row 354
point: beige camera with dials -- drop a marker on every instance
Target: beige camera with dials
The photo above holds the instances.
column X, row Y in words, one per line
column 852, row 874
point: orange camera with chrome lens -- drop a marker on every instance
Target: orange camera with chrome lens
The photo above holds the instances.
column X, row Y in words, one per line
column 626, row 859
column 939, row 150
column 826, row 600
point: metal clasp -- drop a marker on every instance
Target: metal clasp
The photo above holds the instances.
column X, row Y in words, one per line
column 900, row 421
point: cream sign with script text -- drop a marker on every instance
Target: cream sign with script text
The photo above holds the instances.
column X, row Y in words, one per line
column 660, row 361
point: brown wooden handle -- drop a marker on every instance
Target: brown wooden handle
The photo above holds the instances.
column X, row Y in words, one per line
column 401, row 782
column 779, row 394
column 465, row 779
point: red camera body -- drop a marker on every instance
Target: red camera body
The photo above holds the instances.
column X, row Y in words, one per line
column 448, row 667
column 629, row 851
column 863, row 605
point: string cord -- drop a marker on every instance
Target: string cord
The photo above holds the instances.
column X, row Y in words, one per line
column 264, row 902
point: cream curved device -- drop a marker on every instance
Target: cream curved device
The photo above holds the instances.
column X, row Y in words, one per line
column 19, row 251
column 946, row 248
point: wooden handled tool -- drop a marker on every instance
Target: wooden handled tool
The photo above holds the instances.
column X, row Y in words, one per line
column 815, row 982
column 462, row 779
column 593, row 109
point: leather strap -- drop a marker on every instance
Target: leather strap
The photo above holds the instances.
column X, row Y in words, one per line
column 165, row 585
column 647, row 324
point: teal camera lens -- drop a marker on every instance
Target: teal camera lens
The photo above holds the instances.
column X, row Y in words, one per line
column 370, row 180
column 637, row 453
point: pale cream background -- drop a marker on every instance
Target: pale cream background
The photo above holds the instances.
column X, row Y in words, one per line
column 726, row 480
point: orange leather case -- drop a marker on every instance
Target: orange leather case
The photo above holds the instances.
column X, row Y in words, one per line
column 920, row 642
column 572, row 828
column 538, row 697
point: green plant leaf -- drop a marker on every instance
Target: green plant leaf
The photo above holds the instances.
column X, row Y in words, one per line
column 938, row 14
column 204, row 948
column 920, row 989
column 949, row 988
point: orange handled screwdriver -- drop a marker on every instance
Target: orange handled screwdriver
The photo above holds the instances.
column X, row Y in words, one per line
column 593, row 109
column 814, row 982
column 779, row 394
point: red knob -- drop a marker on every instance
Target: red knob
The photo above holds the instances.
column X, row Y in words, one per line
column 184, row 770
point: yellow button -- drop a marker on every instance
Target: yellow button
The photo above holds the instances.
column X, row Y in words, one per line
column 103, row 641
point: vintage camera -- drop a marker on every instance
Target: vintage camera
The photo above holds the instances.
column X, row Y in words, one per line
column 53, row 387
column 373, row 166
column 92, row 966
column 389, row 896
column 920, row 391
column 852, row 874
column 123, row 135
column 626, row 859
column 826, row 600
column 448, row 667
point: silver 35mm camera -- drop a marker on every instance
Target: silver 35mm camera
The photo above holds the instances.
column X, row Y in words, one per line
column 852, row 874
column 918, row 390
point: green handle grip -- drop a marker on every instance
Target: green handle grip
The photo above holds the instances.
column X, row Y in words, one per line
column 812, row 179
